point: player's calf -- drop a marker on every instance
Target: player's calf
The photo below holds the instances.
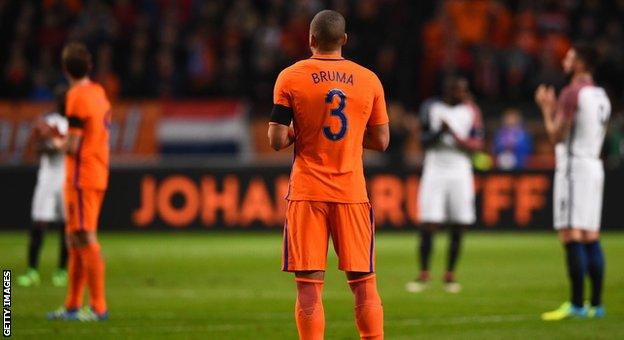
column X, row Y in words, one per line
column 309, row 312
column 455, row 239
column 368, row 306
column 576, row 262
column 595, row 271
column 425, row 248
column 86, row 266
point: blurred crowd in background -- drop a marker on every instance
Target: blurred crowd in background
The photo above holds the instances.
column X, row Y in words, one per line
column 216, row 48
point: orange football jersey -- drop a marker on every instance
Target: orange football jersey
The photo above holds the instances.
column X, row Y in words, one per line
column 332, row 100
column 89, row 113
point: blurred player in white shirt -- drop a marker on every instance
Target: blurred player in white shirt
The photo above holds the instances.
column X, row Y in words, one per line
column 452, row 130
column 576, row 123
column 47, row 209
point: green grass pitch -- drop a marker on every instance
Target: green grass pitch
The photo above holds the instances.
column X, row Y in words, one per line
column 229, row 286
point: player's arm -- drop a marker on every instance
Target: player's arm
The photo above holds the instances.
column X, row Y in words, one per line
column 280, row 136
column 377, row 137
column 377, row 134
column 428, row 137
column 281, row 133
column 72, row 143
column 45, row 137
column 48, row 137
column 474, row 142
column 46, row 147
column 556, row 113
column 69, row 144
column 76, row 118
column 51, row 145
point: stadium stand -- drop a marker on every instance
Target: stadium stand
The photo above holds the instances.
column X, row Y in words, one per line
column 504, row 48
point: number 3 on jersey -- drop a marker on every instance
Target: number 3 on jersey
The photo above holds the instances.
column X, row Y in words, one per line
column 338, row 112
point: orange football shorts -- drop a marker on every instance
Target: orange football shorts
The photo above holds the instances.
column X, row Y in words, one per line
column 308, row 227
column 82, row 208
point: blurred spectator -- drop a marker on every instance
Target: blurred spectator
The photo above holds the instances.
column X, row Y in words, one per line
column 40, row 90
column 512, row 142
column 402, row 126
column 16, row 74
column 201, row 61
column 468, row 20
column 104, row 73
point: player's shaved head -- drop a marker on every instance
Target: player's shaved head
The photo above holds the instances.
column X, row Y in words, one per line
column 328, row 28
column 76, row 60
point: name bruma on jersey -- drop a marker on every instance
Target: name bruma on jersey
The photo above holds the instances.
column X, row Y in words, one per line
column 341, row 77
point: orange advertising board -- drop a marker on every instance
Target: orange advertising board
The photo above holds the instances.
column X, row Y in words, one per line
column 243, row 197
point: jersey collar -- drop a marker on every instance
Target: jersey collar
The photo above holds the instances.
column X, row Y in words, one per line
column 327, row 56
column 82, row 82
column 584, row 80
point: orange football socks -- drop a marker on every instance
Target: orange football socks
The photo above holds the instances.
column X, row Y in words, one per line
column 309, row 311
column 368, row 308
column 76, row 279
column 93, row 265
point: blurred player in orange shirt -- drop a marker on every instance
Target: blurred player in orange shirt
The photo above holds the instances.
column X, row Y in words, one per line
column 89, row 113
column 336, row 108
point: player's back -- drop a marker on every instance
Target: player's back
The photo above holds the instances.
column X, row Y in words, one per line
column 89, row 110
column 333, row 101
column 593, row 114
column 591, row 109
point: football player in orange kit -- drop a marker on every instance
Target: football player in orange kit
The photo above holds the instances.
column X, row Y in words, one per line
column 87, row 152
column 336, row 108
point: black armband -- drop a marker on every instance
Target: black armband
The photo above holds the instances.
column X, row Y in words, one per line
column 75, row 122
column 281, row 114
